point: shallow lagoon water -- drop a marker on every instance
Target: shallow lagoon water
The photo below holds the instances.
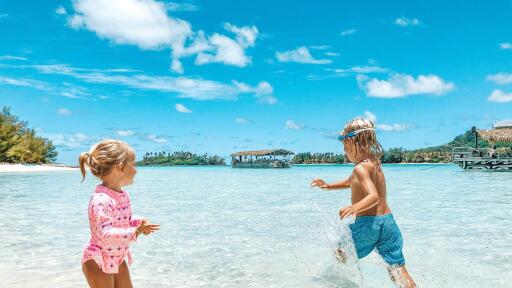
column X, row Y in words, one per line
column 224, row 227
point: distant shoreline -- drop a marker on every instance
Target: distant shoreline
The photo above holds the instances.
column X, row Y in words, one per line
column 403, row 163
column 13, row 168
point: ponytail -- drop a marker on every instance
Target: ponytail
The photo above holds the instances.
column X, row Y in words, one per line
column 82, row 160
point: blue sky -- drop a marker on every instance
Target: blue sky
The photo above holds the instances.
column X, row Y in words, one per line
column 223, row 76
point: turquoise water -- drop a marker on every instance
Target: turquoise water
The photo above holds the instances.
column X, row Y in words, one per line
column 224, row 227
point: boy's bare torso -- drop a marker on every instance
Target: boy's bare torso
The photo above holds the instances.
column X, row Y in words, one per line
column 379, row 181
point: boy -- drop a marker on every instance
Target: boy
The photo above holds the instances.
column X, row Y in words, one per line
column 374, row 226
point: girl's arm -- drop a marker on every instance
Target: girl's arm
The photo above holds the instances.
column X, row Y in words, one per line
column 103, row 214
column 372, row 196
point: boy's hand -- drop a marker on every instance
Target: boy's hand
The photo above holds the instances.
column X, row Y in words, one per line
column 147, row 228
column 319, row 183
column 347, row 211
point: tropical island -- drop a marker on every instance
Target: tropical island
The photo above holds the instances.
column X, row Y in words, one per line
column 179, row 158
column 19, row 144
column 436, row 154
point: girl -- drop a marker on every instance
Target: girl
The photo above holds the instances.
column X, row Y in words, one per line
column 374, row 227
column 113, row 227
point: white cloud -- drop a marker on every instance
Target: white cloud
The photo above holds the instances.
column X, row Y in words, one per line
column 500, row 96
column 60, row 10
column 145, row 23
column 156, row 139
column 393, row 127
column 401, row 85
column 10, row 57
column 320, row 47
column 370, row 116
column 23, row 82
column 403, row 21
column 385, row 127
column 182, row 109
column 361, row 70
column 64, row 112
column 125, row 133
column 505, row 46
column 332, row 54
column 222, row 49
column 290, row 124
column 263, row 91
column 500, row 78
column 71, row 141
column 239, row 120
column 184, row 87
column 74, row 92
column 348, row 32
column 174, row 6
column 300, row 55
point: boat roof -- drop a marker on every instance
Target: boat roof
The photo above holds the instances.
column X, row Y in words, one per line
column 279, row 152
column 498, row 134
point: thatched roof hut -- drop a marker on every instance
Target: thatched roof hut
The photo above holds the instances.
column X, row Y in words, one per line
column 500, row 133
column 276, row 152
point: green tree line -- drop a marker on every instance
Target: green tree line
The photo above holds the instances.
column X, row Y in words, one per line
column 436, row 154
column 164, row 158
column 318, row 158
column 20, row 144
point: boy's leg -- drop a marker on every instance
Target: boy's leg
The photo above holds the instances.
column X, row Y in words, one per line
column 401, row 277
column 95, row 277
column 364, row 238
column 122, row 278
column 340, row 255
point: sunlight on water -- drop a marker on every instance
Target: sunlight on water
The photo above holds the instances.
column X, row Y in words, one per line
column 224, row 227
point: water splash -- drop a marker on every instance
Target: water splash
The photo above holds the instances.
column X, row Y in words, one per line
column 337, row 235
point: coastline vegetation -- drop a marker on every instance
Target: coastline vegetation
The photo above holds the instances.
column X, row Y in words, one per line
column 164, row 158
column 20, row 144
column 436, row 154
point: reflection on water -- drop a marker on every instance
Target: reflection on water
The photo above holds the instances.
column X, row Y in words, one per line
column 224, row 227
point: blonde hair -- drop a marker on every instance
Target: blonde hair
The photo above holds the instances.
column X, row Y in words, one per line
column 103, row 156
column 365, row 141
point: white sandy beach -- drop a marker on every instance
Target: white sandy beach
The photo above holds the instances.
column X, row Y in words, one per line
column 7, row 168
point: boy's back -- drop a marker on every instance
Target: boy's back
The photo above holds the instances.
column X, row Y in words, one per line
column 376, row 175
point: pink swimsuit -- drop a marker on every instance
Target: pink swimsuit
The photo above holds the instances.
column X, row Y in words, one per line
column 113, row 228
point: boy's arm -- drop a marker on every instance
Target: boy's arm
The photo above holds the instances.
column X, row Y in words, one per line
column 342, row 184
column 372, row 196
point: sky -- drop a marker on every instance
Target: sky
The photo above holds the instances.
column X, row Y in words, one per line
column 223, row 76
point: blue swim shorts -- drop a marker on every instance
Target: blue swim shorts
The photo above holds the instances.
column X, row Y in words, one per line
column 380, row 232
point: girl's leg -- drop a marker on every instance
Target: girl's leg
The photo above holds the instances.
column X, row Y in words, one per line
column 122, row 278
column 95, row 277
column 401, row 277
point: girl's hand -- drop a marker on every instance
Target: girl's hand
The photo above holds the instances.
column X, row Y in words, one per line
column 319, row 183
column 348, row 211
column 147, row 228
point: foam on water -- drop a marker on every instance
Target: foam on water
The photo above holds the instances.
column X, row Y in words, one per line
column 223, row 227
